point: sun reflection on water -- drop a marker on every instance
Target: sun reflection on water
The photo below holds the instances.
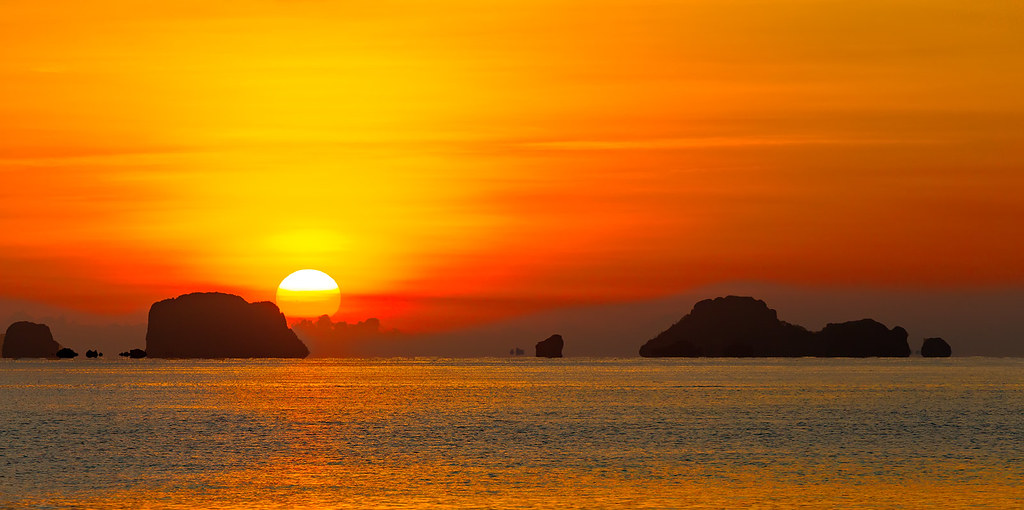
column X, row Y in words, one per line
column 513, row 433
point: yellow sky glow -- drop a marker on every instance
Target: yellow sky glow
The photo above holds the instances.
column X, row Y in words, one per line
column 513, row 155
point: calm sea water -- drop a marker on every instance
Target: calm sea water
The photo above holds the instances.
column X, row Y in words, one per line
column 513, row 433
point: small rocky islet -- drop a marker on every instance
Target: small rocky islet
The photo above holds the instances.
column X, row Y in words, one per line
column 25, row 339
column 936, row 348
column 133, row 354
column 66, row 353
column 551, row 347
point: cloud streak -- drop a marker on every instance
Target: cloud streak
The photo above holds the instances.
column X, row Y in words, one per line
column 708, row 142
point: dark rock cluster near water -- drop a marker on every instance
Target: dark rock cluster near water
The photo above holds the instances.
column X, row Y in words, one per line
column 25, row 339
column 217, row 325
column 550, row 347
column 133, row 354
column 936, row 348
column 736, row 326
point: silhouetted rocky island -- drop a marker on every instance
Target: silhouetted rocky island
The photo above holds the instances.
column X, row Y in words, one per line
column 936, row 348
column 736, row 326
column 25, row 339
column 550, row 347
column 217, row 325
column 133, row 354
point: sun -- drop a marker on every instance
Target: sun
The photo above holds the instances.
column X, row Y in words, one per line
column 308, row 293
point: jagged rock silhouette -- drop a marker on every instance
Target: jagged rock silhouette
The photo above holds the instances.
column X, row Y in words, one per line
column 735, row 326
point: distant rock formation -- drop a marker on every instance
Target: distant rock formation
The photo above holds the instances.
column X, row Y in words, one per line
column 217, row 325
column 936, row 348
column 736, row 326
column 133, row 354
column 550, row 347
column 92, row 353
column 66, row 353
column 25, row 339
column 515, row 351
column 730, row 326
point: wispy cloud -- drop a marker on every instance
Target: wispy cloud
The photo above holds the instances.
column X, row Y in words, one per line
column 711, row 142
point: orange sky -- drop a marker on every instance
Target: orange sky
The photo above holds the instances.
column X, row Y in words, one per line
column 454, row 161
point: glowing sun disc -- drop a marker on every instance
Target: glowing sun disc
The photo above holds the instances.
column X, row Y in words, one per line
column 308, row 293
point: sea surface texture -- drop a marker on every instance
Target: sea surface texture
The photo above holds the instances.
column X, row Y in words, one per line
column 513, row 433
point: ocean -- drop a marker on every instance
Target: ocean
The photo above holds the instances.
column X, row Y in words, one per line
column 513, row 433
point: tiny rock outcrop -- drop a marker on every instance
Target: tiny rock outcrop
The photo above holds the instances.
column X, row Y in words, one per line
column 550, row 347
column 91, row 354
column 66, row 353
column 217, row 325
column 936, row 348
column 133, row 354
column 735, row 326
column 25, row 339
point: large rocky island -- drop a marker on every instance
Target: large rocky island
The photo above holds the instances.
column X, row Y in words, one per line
column 25, row 339
column 736, row 326
column 217, row 325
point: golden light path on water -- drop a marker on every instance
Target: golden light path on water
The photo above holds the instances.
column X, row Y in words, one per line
column 513, row 433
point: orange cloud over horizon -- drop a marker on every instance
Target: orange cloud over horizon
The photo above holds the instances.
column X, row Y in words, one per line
column 450, row 162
